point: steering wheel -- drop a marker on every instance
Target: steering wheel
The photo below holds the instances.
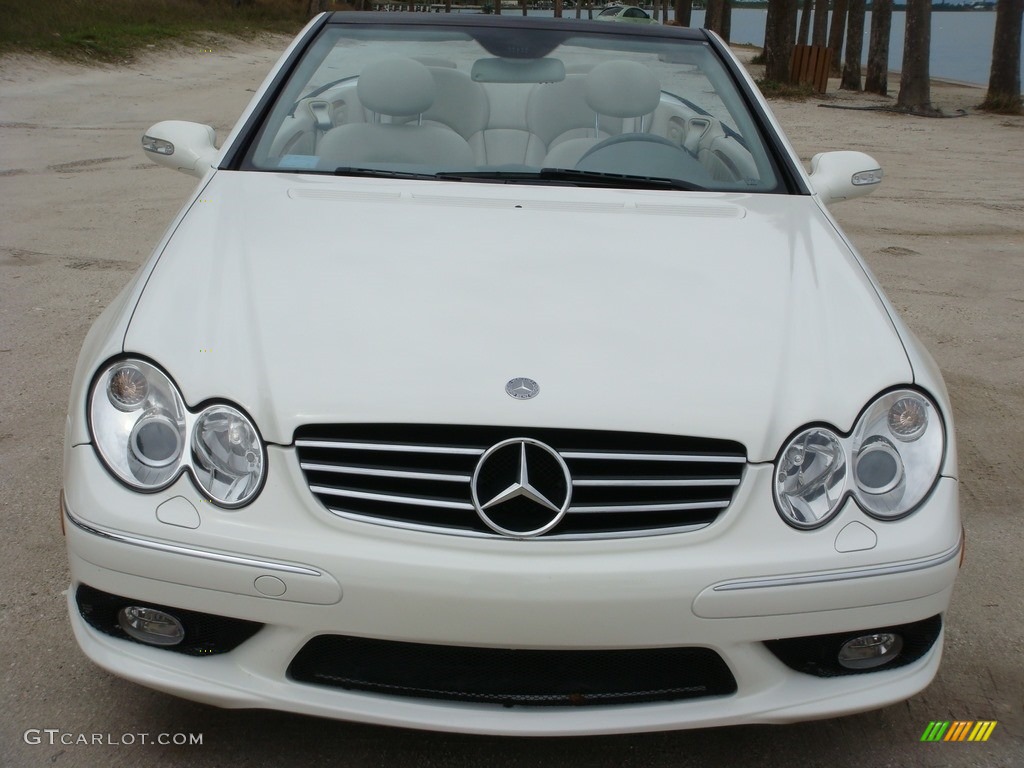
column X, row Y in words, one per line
column 644, row 154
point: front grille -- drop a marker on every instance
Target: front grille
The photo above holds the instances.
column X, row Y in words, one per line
column 419, row 476
column 512, row 677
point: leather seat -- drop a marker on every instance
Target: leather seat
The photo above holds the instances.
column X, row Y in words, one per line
column 617, row 89
column 395, row 88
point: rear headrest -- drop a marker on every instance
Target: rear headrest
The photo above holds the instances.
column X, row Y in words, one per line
column 622, row 89
column 396, row 87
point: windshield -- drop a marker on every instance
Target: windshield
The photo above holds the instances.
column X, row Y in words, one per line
column 514, row 105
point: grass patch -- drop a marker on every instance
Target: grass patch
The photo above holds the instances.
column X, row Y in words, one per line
column 773, row 89
column 114, row 30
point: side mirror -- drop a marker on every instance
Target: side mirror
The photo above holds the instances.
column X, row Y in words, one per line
column 839, row 176
column 183, row 146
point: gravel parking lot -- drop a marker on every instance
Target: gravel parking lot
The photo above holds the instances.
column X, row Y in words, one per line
column 80, row 209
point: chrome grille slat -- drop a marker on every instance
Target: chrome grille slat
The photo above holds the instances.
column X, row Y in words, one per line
column 690, row 458
column 648, row 483
column 647, row 507
column 418, row 477
column 350, row 494
column 396, row 473
column 398, row 448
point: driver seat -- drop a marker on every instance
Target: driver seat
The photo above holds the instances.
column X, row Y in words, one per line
column 618, row 89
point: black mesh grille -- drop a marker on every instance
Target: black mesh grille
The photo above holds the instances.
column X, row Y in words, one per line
column 512, row 677
column 205, row 634
column 623, row 483
column 818, row 655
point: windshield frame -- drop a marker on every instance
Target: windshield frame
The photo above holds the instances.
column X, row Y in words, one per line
column 789, row 180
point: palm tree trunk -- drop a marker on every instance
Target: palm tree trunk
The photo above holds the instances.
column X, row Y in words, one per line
column 684, row 12
column 836, row 34
column 915, row 81
column 713, row 16
column 819, row 36
column 805, row 23
column 1004, row 78
column 854, row 46
column 877, row 78
column 779, row 37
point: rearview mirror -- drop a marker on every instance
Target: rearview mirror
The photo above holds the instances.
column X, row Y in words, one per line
column 183, row 146
column 839, row 176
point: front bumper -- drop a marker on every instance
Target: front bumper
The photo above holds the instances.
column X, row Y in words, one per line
column 746, row 579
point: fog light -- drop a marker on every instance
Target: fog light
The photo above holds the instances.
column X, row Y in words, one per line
column 869, row 651
column 150, row 626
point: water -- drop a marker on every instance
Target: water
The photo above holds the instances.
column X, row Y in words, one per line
column 961, row 48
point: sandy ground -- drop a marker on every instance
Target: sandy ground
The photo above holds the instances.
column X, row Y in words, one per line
column 80, row 208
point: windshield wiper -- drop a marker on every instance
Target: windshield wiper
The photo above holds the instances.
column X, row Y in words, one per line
column 558, row 176
column 378, row 173
column 571, row 177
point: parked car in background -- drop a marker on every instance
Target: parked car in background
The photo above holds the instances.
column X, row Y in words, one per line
column 628, row 13
column 509, row 375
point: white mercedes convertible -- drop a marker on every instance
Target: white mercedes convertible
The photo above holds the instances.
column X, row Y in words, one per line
column 510, row 376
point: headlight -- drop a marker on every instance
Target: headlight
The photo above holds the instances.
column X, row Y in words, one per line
column 897, row 448
column 889, row 463
column 138, row 424
column 227, row 456
column 146, row 436
column 810, row 479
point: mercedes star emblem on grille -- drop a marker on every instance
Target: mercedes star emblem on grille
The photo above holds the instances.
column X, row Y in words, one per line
column 521, row 488
column 522, row 389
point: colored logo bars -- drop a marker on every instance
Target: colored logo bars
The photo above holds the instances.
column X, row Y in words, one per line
column 958, row 730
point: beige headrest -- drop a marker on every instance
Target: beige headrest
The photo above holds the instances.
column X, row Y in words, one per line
column 396, row 87
column 622, row 89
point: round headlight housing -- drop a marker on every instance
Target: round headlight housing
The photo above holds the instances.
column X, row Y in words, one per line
column 889, row 462
column 138, row 423
column 146, row 436
column 227, row 455
column 897, row 448
column 810, row 478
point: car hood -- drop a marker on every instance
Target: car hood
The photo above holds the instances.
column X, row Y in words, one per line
column 310, row 299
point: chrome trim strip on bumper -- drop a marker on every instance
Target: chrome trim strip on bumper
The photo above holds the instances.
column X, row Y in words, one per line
column 177, row 549
column 822, row 577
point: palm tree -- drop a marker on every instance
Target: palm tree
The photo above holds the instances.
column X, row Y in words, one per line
column 854, row 46
column 819, row 34
column 915, row 81
column 836, row 33
column 877, row 78
column 779, row 38
column 1004, row 78
column 684, row 12
column 713, row 15
column 803, row 35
